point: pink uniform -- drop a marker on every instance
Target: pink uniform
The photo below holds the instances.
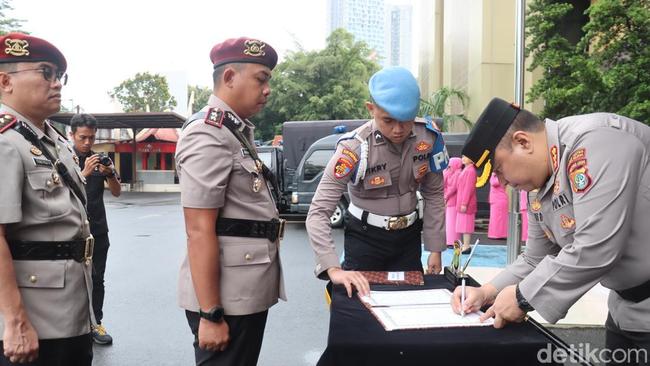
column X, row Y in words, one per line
column 451, row 188
column 498, row 227
column 523, row 209
column 466, row 197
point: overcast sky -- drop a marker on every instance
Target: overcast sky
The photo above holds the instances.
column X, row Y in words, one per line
column 107, row 42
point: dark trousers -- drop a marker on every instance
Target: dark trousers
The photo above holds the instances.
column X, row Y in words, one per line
column 246, row 333
column 626, row 348
column 75, row 351
column 99, row 267
column 369, row 248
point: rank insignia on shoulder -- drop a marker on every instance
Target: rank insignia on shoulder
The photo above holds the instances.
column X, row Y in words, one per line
column 214, row 117
column 342, row 168
column 7, row 121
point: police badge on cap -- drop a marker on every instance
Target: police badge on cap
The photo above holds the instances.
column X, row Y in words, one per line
column 489, row 129
column 20, row 47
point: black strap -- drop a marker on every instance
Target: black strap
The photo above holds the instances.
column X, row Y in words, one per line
column 47, row 250
column 249, row 228
column 29, row 135
column 233, row 123
column 637, row 293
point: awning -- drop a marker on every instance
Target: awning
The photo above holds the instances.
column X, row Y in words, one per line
column 133, row 120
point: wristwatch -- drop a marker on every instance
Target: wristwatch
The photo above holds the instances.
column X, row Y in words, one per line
column 522, row 302
column 214, row 315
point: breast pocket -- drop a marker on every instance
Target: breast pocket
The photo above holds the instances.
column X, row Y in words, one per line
column 247, row 181
column 245, row 254
column 376, row 186
column 52, row 199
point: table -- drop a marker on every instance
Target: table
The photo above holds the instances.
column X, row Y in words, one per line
column 357, row 338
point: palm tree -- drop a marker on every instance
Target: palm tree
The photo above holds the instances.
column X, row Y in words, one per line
column 441, row 101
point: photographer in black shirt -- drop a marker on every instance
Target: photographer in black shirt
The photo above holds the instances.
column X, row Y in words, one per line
column 96, row 168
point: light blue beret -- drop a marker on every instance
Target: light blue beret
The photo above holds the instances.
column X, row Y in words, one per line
column 395, row 90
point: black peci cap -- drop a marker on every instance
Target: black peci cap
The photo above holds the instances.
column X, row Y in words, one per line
column 488, row 131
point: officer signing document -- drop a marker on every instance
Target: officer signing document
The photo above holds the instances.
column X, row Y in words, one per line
column 588, row 219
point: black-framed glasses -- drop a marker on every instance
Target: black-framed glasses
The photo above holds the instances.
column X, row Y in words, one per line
column 48, row 74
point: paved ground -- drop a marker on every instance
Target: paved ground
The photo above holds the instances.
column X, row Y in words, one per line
column 140, row 312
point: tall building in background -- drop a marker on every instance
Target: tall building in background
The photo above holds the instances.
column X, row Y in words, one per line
column 399, row 30
column 363, row 18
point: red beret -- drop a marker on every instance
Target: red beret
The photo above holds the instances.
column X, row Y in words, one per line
column 20, row 47
column 245, row 50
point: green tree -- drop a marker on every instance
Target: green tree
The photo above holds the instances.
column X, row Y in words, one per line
column 316, row 85
column 603, row 68
column 8, row 24
column 143, row 90
column 201, row 95
column 442, row 102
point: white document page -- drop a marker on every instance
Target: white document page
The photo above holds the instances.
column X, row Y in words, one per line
column 396, row 276
column 426, row 316
column 413, row 297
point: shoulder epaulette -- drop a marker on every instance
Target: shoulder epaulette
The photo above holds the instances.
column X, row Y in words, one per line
column 214, row 117
column 7, row 121
column 346, row 136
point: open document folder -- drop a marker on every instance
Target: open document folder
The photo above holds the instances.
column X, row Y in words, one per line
column 418, row 309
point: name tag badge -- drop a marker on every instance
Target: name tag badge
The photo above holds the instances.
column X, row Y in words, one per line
column 42, row 162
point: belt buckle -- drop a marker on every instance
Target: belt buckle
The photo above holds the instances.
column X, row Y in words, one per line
column 397, row 222
column 89, row 249
column 281, row 228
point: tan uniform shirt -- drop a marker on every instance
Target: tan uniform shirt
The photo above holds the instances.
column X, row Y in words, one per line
column 392, row 177
column 589, row 223
column 215, row 172
column 35, row 206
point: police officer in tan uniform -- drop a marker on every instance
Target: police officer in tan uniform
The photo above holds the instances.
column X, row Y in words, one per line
column 588, row 222
column 45, row 242
column 382, row 164
column 232, row 274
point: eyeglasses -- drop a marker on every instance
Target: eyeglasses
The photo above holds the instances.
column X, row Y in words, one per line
column 48, row 74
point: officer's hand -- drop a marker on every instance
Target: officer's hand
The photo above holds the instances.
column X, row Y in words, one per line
column 91, row 163
column 20, row 341
column 434, row 263
column 213, row 337
column 475, row 298
column 505, row 309
column 348, row 279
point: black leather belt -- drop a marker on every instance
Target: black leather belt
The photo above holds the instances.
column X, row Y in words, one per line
column 271, row 230
column 78, row 250
column 637, row 293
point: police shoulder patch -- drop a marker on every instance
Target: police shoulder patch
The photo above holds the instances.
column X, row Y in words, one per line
column 7, row 121
column 578, row 172
column 343, row 167
column 214, row 117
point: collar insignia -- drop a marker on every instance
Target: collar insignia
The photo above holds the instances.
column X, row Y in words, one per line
column 554, row 159
column 535, row 205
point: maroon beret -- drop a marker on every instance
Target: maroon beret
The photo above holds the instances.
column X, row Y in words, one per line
column 20, row 47
column 246, row 50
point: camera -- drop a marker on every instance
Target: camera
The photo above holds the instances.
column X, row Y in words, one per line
column 104, row 159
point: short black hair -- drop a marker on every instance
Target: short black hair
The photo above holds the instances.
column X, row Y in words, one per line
column 83, row 120
column 219, row 70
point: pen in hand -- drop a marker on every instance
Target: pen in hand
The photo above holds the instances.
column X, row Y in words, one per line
column 462, row 297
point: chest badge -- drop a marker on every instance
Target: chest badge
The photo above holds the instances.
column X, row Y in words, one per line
column 256, row 184
column 377, row 181
column 35, row 151
column 567, row 223
column 422, row 146
column 535, row 205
